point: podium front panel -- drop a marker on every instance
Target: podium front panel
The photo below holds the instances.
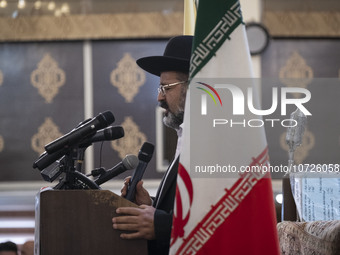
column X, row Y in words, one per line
column 80, row 222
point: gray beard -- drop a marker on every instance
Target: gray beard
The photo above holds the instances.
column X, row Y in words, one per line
column 173, row 121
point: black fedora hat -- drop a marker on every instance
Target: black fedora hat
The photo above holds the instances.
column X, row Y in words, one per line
column 176, row 57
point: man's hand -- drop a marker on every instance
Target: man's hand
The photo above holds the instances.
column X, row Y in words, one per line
column 142, row 196
column 139, row 220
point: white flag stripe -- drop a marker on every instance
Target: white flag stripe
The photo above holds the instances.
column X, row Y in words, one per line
column 232, row 55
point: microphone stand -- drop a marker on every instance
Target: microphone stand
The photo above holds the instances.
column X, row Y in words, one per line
column 80, row 158
column 73, row 178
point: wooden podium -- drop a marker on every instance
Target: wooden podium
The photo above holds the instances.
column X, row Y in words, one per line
column 70, row 222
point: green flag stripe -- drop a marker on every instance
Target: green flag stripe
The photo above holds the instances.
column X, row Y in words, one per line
column 212, row 29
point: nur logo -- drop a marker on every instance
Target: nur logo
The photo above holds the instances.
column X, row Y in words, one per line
column 239, row 99
column 204, row 97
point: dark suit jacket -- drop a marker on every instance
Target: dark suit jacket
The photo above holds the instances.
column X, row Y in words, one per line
column 164, row 204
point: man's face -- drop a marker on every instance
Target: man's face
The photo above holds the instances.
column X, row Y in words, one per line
column 174, row 100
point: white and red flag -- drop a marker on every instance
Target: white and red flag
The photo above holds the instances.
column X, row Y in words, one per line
column 221, row 206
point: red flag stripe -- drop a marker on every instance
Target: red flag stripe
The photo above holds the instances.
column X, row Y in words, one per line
column 183, row 173
column 223, row 209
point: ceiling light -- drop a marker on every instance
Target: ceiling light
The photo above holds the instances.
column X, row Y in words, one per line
column 51, row 6
column 279, row 198
column 37, row 5
column 65, row 8
column 3, row 3
column 21, row 4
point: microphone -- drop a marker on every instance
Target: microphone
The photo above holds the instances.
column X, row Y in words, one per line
column 129, row 162
column 295, row 133
column 144, row 156
column 46, row 159
column 79, row 133
column 107, row 134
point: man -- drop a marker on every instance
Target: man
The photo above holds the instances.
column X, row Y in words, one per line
column 27, row 248
column 153, row 219
column 8, row 248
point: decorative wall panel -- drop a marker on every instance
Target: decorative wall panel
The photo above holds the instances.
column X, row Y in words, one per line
column 48, row 78
column 41, row 97
column 302, row 23
column 92, row 26
column 161, row 24
column 127, row 77
column 30, row 119
column 311, row 64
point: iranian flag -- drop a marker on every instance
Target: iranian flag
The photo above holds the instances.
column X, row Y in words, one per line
column 224, row 201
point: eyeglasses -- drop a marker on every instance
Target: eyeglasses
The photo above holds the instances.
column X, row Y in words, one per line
column 163, row 88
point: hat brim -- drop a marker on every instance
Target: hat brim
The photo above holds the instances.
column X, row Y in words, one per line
column 157, row 64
